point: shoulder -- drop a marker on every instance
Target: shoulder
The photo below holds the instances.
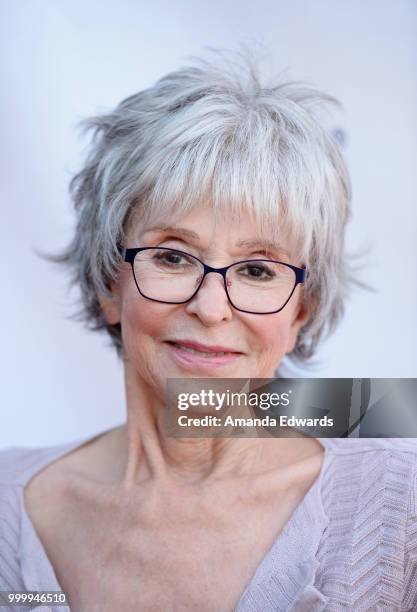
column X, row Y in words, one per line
column 352, row 446
column 19, row 464
column 20, row 550
column 367, row 464
column 369, row 495
column 19, row 467
column 369, row 547
column 375, row 474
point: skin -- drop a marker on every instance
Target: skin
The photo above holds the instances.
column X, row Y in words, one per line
column 134, row 508
column 209, row 319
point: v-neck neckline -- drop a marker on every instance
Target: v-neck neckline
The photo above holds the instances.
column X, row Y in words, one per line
column 301, row 533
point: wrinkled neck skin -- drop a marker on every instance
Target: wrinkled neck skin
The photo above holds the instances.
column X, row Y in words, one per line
column 151, row 454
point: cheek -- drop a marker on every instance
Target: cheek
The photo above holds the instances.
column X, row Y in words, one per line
column 271, row 335
column 142, row 322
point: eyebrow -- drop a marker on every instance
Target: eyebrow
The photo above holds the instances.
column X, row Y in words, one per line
column 263, row 244
column 267, row 245
column 181, row 231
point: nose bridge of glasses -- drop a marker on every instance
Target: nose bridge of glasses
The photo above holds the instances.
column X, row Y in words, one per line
column 211, row 270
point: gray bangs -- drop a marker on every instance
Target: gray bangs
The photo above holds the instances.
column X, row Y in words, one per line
column 211, row 134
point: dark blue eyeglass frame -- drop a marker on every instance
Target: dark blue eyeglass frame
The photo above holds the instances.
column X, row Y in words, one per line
column 129, row 255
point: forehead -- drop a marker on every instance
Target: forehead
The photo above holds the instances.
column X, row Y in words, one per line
column 206, row 224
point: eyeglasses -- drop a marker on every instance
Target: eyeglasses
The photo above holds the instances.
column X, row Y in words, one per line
column 255, row 286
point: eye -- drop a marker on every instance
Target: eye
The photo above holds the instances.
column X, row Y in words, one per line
column 256, row 271
column 173, row 259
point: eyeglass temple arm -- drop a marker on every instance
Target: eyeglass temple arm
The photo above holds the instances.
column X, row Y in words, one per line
column 123, row 252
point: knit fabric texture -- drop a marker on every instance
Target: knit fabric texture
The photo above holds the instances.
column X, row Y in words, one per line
column 350, row 545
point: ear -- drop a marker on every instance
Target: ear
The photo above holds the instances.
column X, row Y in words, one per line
column 111, row 305
column 301, row 317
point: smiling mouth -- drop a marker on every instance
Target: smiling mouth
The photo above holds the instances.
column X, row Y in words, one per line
column 196, row 349
column 193, row 351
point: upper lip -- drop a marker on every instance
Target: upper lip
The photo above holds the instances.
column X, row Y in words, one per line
column 212, row 348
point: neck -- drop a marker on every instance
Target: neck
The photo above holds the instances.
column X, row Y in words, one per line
column 152, row 454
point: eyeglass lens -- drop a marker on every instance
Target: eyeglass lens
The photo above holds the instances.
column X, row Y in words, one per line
column 172, row 276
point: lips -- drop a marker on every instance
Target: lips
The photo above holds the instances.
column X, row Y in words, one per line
column 199, row 358
column 204, row 349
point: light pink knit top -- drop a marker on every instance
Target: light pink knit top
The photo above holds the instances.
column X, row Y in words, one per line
column 350, row 545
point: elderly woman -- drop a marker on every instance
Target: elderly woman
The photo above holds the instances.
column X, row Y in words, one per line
column 210, row 244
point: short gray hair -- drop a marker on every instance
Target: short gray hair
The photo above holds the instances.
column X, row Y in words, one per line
column 212, row 132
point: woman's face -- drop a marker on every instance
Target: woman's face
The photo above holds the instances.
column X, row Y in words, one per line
column 177, row 340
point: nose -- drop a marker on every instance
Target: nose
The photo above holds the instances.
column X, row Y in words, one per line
column 210, row 304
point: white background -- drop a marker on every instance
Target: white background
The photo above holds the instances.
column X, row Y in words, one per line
column 62, row 61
